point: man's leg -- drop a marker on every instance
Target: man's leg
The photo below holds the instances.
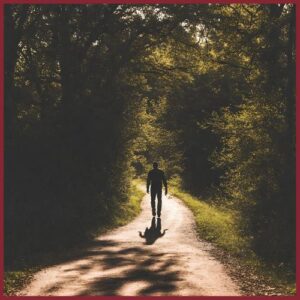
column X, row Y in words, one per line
column 153, row 194
column 158, row 202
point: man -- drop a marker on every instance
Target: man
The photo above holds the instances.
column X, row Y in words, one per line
column 156, row 178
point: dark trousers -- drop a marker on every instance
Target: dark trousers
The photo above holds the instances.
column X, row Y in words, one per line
column 154, row 193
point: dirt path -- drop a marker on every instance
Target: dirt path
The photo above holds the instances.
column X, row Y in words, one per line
column 122, row 263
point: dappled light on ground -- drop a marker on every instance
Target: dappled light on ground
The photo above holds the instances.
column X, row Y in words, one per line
column 122, row 263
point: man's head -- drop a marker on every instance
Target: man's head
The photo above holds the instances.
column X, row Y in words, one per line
column 155, row 165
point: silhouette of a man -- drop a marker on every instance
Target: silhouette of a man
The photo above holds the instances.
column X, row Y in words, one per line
column 156, row 178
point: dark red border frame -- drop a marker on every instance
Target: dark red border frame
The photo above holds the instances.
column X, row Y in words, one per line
column 3, row 2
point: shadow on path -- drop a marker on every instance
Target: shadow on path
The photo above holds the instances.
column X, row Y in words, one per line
column 152, row 233
column 116, row 268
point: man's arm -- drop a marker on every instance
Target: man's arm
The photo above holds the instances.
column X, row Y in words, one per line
column 148, row 182
column 165, row 183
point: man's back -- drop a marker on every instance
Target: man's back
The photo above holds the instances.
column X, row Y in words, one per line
column 156, row 178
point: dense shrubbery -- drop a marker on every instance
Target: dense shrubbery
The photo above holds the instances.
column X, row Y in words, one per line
column 255, row 163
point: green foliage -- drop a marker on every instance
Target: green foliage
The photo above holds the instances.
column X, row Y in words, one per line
column 154, row 141
column 249, row 143
column 125, row 212
column 258, row 169
column 252, row 155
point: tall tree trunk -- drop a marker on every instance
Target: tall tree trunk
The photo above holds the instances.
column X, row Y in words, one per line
column 9, row 66
column 291, row 72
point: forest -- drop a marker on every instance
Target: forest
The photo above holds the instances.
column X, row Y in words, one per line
column 95, row 93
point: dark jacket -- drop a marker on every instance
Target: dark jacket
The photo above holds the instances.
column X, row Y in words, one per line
column 156, row 178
